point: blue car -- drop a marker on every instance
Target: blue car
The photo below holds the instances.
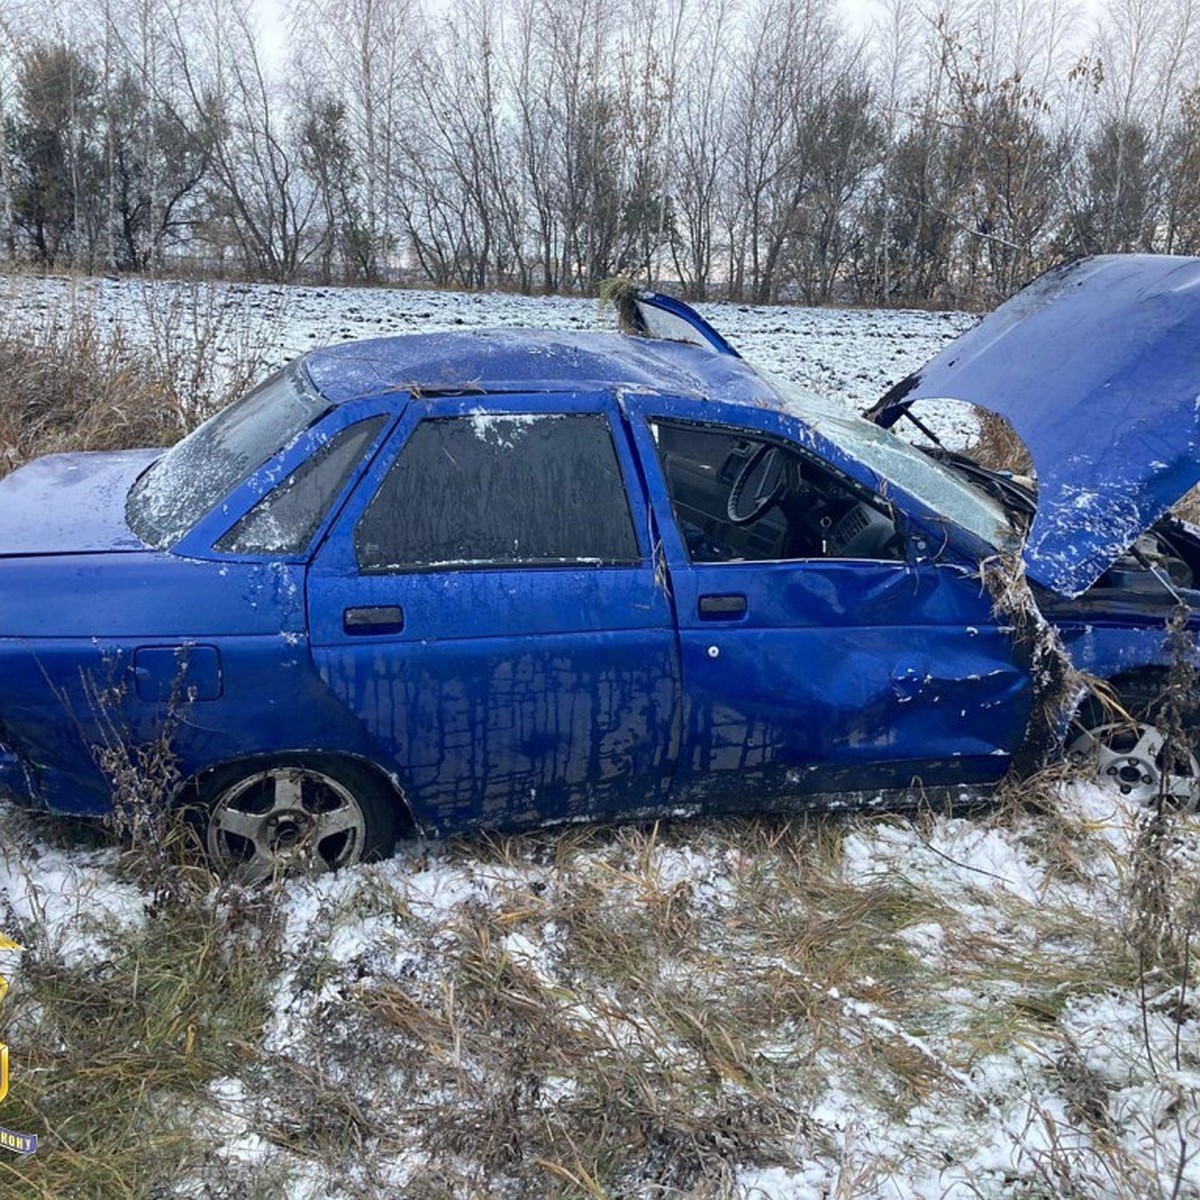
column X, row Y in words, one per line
column 492, row 579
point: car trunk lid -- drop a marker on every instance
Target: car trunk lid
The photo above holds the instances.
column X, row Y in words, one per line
column 70, row 503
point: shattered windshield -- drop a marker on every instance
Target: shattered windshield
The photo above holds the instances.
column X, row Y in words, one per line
column 893, row 459
column 200, row 471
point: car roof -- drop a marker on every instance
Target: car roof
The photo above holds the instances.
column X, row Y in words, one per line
column 505, row 361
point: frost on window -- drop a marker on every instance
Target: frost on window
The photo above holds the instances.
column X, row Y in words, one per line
column 200, row 471
column 495, row 489
column 285, row 521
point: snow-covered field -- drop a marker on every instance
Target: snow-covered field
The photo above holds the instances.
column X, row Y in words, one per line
column 944, row 1006
column 850, row 355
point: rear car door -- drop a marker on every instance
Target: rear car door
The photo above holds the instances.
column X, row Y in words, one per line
column 488, row 607
column 817, row 654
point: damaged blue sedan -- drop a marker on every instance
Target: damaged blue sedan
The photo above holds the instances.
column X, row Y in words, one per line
column 492, row 579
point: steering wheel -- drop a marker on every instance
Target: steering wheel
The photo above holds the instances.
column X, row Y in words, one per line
column 770, row 488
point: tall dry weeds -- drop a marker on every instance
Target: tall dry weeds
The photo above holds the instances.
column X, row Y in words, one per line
column 998, row 447
column 75, row 380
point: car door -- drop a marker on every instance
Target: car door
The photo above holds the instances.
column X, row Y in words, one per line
column 488, row 606
column 817, row 656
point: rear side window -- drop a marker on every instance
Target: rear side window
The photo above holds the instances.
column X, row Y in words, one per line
column 496, row 489
column 285, row 521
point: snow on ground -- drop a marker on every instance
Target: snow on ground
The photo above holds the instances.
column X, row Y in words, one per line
column 926, row 1007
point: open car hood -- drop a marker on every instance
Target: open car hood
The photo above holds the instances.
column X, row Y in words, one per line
column 1096, row 365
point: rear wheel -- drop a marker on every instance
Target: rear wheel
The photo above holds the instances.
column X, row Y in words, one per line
column 296, row 815
column 1132, row 754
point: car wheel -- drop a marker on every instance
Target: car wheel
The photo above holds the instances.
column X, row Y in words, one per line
column 298, row 815
column 1132, row 754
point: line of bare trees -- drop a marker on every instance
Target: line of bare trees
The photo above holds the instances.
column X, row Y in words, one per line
column 754, row 149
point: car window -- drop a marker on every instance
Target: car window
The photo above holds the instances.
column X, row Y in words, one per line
column 201, row 470
column 495, row 489
column 891, row 457
column 742, row 498
column 285, row 520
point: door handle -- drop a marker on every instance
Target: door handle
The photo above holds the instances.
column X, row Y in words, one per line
column 722, row 608
column 373, row 619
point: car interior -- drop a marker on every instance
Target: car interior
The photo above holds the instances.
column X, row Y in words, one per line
column 742, row 499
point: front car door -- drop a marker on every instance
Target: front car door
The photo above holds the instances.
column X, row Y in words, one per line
column 489, row 607
column 818, row 654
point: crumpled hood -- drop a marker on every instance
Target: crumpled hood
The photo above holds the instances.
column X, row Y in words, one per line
column 1096, row 365
column 70, row 503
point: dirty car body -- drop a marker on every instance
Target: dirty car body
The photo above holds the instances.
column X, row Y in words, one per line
column 493, row 579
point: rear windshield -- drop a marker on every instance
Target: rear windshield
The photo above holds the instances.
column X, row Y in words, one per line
column 197, row 473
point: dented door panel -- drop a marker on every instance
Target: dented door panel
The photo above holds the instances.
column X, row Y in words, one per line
column 799, row 674
column 898, row 672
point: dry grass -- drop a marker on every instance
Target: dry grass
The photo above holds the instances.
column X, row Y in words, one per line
column 998, row 447
column 114, row 1051
column 73, row 382
column 1188, row 509
column 627, row 1012
column 596, row 1022
column 69, row 388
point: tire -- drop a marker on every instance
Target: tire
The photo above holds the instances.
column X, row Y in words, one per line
column 1131, row 754
column 296, row 814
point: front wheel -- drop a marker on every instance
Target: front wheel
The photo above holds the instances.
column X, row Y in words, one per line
column 1132, row 754
column 290, row 816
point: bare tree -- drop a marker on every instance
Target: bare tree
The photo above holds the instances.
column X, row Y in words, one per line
column 362, row 51
column 699, row 147
column 258, row 199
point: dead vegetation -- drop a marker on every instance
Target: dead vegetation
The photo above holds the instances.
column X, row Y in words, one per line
column 659, row 1011
column 118, row 1029
column 74, row 382
column 998, row 447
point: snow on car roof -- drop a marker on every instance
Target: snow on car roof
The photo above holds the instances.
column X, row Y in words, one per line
column 506, row 360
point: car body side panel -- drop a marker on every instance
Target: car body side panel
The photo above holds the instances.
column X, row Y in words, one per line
column 1111, row 631
column 484, row 733
column 67, row 700
column 74, row 679
column 889, row 671
column 149, row 595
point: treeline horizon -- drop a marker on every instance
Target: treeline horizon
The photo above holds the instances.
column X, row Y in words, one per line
column 759, row 151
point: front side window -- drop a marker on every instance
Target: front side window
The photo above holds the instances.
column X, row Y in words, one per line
column 740, row 498
column 498, row 489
